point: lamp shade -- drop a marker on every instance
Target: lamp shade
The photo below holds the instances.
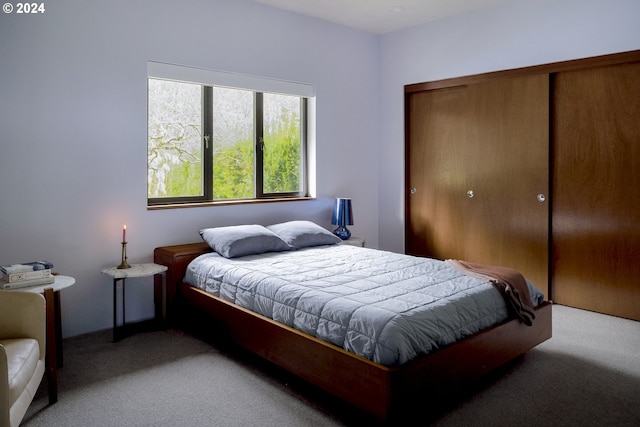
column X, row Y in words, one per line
column 342, row 212
column 342, row 216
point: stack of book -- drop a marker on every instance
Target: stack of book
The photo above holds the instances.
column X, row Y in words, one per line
column 28, row 274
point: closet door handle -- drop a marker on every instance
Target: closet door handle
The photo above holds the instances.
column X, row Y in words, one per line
column 413, row 190
column 470, row 194
column 541, row 197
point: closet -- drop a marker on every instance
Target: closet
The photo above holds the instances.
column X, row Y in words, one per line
column 475, row 194
column 596, row 203
column 533, row 169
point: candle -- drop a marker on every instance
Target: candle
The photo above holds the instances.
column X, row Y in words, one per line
column 124, row 233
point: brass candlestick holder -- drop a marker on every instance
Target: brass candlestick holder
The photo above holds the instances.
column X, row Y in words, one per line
column 124, row 264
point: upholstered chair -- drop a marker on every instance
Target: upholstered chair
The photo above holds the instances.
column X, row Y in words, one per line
column 22, row 353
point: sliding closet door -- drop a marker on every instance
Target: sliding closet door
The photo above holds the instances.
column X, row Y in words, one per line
column 478, row 174
column 436, row 166
column 596, row 206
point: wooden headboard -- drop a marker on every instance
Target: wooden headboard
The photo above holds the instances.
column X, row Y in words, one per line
column 176, row 258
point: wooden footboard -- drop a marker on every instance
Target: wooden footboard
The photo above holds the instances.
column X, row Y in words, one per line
column 379, row 390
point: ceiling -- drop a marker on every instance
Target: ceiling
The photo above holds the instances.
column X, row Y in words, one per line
column 380, row 16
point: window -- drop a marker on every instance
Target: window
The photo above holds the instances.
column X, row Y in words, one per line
column 211, row 142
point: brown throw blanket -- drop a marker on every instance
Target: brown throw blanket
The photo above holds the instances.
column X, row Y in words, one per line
column 511, row 284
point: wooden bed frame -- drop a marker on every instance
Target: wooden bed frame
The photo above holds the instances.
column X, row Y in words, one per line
column 377, row 389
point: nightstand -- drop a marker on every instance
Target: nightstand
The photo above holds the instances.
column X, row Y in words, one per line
column 354, row 241
column 136, row 270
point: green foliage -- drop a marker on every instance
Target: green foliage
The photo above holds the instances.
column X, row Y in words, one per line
column 233, row 165
column 233, row 176
column 282, row 156
column 184, row 179
column 233, row 171
column 175, row 138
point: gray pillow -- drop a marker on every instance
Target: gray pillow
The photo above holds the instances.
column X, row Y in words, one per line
column 240, row 240
column 302, row 234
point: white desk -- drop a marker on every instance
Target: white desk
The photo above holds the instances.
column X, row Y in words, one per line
column 136, row 270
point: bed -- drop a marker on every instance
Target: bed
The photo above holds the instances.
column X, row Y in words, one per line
column 233, row 267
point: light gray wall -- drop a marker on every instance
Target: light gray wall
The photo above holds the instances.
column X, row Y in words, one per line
column 510, row 35
column 73, row 116
column 73, row 130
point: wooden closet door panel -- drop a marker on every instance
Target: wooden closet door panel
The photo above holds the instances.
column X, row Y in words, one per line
column 509, row 147
column 435, row 219
column 596, row 204
column 490, row 138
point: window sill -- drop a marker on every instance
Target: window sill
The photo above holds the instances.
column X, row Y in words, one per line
column 225, row 203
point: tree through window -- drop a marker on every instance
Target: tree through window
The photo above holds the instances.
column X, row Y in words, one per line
column 212, row 143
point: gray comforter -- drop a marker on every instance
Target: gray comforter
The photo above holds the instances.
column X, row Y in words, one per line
column 384, row 306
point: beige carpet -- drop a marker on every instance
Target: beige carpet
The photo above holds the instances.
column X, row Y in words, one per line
column 588, row 374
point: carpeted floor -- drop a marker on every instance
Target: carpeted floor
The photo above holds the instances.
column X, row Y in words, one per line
column 588, row 374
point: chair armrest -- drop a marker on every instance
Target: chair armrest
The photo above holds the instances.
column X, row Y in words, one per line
column 23, row 315
column 4, row 388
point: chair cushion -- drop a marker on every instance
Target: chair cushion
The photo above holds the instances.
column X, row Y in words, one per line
column 22, row 358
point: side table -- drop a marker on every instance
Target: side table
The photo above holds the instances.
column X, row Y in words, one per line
column 354, row 241
column 136, row 270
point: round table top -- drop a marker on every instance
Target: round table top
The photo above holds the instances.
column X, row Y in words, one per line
column 136, row 270
column 60, row 283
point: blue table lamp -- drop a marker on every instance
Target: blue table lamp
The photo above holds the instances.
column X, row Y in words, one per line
column 342, row 216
